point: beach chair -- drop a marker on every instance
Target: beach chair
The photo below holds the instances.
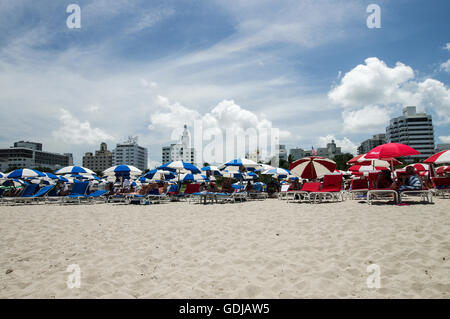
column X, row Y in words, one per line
column 283, row 193
column 26, row 192
column 98, row 196
column 190, row 189
column 39, row 196
column 380, row 193
column 331, row 188
column 77, row 194
column 441, row 186
column 305, row 192
column 358, row 187
column 258, row 192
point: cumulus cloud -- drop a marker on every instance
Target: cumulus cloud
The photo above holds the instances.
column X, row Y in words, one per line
column 370, row 92
column 171, row 115
column 371, row 83
column 447, row 47
column 74, row 131
column 345, row 144
column 367, row 119
column 446, row 66
column 445, row 139
column 225, row 115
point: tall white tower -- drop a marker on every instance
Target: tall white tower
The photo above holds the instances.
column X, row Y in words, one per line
column 185, row 139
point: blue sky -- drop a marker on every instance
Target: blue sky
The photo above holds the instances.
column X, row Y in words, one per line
column 311, row 68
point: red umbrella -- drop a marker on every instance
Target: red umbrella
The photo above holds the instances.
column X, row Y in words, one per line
column 419, row 167
column 391, row 150
column 312, row 167
column 362, row 160
column 439, row 158
column 366, row 168
column 442, row 170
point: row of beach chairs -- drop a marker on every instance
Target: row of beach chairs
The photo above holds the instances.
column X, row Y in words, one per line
column 331, row 189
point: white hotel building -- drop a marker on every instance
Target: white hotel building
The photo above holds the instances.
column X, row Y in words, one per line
column 181, row 151
column 413, row 129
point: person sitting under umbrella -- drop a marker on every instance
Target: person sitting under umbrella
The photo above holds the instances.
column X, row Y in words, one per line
column 411, row 182
column 384, row 179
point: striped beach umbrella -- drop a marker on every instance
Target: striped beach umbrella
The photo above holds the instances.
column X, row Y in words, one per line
column 193, row 178
column 179, row 166
column 420, row 167
column 364, row 168
column 442, row 157
column 362, row 160
column 122, row 170
column 25, row 173
column 442, row 170
column 241, row 162
column 312, row 167
column 277, row 172
column 214, row 170
column 159, row 174
column 74, row 170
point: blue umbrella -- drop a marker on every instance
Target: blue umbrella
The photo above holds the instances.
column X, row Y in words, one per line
column 193, row 178
column 74, row 170
column 25, row 173
column 277, row 172
column 178, row 166
column 151, row 174
column 122, row 170
column 241, row 162
column 213, row 169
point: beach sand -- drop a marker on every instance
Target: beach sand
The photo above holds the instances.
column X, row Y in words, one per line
column 259, row 249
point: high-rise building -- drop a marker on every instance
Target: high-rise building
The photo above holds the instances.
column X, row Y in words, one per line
column 296, row 153
column 442, row 147
column 371, row 143
column 30, row 155
column 130, row 153
column 330, row 151
column 101, row 161
column 282, row 152
column 180, row 151
column 413, row 129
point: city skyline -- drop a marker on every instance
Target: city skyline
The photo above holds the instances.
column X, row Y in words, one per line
column 163, row 64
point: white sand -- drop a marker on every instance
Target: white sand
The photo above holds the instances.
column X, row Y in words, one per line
column 267, row 249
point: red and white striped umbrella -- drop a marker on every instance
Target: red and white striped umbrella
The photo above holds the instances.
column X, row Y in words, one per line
column 439, row 158
column 312, row 167
column 419, row 167
column 365, row 168
column 362, row 160
column 442, row 170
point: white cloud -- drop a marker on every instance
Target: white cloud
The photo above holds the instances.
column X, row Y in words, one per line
column 368, row 119
column 171, row 115
column 345, row 144
column 445, row 139
column 446, row 66
column 371, row 91
column 74, row 131
column 447, row 47
column 371, row 83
